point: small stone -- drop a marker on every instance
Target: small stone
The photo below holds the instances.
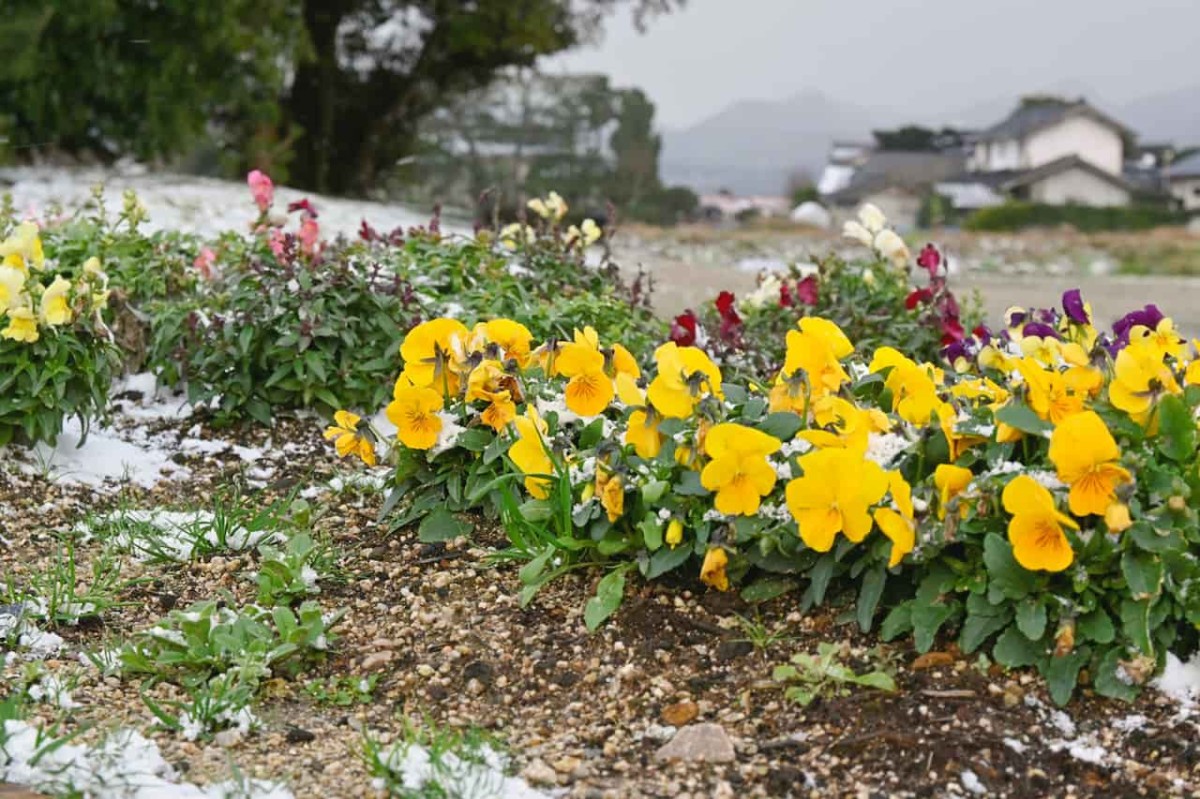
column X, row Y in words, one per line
column 931, row 660
column 567, row 764
column 377, row 660
column 538, row 773
column 699, row 742
column 425, row 670
column 680, row 713
column 298, row 735
column 228, row 738
column 731, row 650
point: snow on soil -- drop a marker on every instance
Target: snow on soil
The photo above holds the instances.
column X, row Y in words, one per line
column 175, row 535
column 205, row 206
column 123, row 766
column 481, row 778
column 128, row 450
column 1181, row 681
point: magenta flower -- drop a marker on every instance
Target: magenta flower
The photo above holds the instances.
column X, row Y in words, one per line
column 262, row 188
column 807, row 290
column 929, row 259
column 303, row 205
column 917, row 297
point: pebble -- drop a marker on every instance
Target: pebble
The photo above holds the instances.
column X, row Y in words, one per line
column 699, row 742
column 377, row 660
column 680, row 713
column 538, row 773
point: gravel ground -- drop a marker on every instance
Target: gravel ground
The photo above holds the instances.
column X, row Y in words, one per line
column 621, row 713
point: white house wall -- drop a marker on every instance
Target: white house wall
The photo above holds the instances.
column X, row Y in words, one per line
column 1098, row 144
column 1077, row 186
column 1187, row 191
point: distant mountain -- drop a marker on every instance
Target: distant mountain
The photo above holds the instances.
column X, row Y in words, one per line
column 1165, row 117
column 753, row 146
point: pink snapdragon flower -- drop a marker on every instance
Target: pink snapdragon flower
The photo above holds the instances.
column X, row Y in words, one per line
column 309, row 235
column 262, row 188
column 205, row 263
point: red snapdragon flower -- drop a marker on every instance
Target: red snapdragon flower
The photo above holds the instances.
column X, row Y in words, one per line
column 917, row 297
column 929, row 259
column 683, row 329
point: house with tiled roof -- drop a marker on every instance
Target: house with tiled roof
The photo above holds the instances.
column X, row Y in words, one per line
column 1183, row 181
column 1048, row 150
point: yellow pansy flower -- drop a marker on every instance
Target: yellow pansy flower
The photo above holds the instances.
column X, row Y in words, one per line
column 1139, row 378
column 739, row 471
column 1164, row 339
column 897, row 523
column 838, row 423
column 529, row 453
column 1036, row 528
column 815, row 350
column 834, row 496
column 642, row 429
column 684, row 375
column 429, row 353
column 913, row 386
column 54, row 308
column 712, row 572
column 512, row 337
column 414, row 412
column 1054, row 395
column 590, row 390
column 1085, row 455
column 348, row 440
column 22, row 326
column 950, row 481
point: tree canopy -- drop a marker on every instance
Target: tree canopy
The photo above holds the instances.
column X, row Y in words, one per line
column 332, row 91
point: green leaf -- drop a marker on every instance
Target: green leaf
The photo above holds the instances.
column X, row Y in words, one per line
column 1155, row 536
column 442, row 525
column 897, row 622
column 1176, row 429
column 609, row 593
column 1143, row 573
column 1014, row 650
column 1031, row 619
column 926, row 621
column 1062, row 673
column 1007, row 579
column 783, row 425
column 652, row 492
column 868, row 596
column 1107, row 678
column 1096, row 627
column 1020, row 416
column 537, row 510
column 768, row 588
column 476, row 439
column 665, row 560
column 818, row 577
column 875, row 679
column 689, row 486
column 1135, row 622
column 652, row 534
column 983, row 621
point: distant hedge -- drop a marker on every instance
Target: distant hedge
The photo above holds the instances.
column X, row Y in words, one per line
column 1019, row 215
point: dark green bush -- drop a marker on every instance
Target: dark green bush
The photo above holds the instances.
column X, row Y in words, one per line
column 1020, row 215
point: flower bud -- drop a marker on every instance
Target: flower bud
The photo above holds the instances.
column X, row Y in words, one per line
column 674, row 533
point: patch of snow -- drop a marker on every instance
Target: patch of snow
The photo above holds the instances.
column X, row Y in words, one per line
column 124, row 766
column 177, row 533
column 104, row 456
column 204, row 206
column 1130, row 723
column 1015, row 745
column 481, row 778
column 970, row 781
column 1180, row 681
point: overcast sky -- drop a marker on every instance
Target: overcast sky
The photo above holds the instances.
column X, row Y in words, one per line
column 922, row 56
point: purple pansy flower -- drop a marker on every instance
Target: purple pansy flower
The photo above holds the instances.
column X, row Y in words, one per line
column 1072, row 301
column 1040, row 330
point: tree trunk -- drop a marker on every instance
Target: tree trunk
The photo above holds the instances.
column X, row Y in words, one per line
column 311, row 105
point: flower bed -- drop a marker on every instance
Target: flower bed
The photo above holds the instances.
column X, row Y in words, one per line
column 56, row 355
column 1036, row 499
